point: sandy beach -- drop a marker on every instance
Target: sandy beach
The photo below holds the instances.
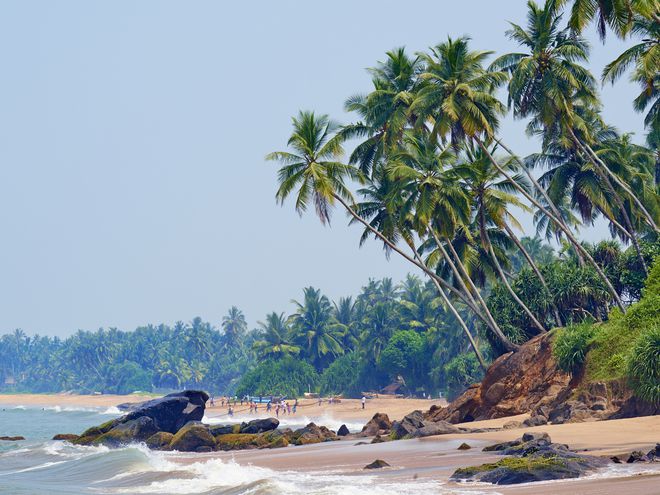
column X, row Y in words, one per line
column 433, row 457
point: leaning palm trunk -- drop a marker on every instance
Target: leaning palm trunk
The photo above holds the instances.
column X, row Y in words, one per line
column 599, row 164
column 457, row 315
column 558, row 217
column 629, row 230
column 500, row 272
column 557, row 222
column 508, row 345
column 536, row 270
column 490, row 321
column 494, row 326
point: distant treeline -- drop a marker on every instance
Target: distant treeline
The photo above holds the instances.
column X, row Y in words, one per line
column 389, row 333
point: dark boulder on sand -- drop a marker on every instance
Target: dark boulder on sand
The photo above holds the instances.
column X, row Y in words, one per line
column 343, row 431
column 377, row 464
column 379, row 422
column 533, row 458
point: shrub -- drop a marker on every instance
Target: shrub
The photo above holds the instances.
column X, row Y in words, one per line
column 461, row 372
column 644, row 366
column 289, row 376
column 571, row 345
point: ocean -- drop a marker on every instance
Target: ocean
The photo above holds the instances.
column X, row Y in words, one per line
column 39, row 466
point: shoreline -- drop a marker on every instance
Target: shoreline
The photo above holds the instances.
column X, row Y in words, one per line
column 431, row 458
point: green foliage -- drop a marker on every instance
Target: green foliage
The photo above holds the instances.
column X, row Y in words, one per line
column 401, row 354
column 644, row 366
column 288, row 376
column 613, row 343
column 462, row 371
column 126, row 378
column 571, row 345
column 351, row 375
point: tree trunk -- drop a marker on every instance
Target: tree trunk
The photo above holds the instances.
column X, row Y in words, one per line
column 494, row 326
column 536, row 270
column 489, row 246
column 537, row 186
column 491, row 323
column 599, row 164
column 458, row 317
column 508, row 345
column 559, row 224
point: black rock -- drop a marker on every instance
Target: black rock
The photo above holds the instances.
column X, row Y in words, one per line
column 260, row 425
column 173, row 411
column 221, row 429
column 343, row 431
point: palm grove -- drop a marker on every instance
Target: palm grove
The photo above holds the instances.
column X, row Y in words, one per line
column 430, row 178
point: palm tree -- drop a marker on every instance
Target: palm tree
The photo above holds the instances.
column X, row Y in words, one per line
column 548, row 82
column 493, row 200
column 617, row 14
column 274, row 340
column 234, row 326
column 645, row 58
column 315, row 329
column 385, row 112
column 315, row 171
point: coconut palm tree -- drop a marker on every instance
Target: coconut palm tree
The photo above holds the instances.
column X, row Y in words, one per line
column 493, row 200
column 615, row 14
column 316, row 173
column 645, row 58
column 315, row 329
column 547, row 83
column 234, row 326
column 385, row 112
column 274, row 341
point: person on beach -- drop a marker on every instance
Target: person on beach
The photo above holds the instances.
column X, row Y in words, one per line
column 277, row 410
column 295, row 406
column 212, row 401
column 288, row 408
column 364, row 401
column 269, row 406
column 320, row 401
column 230, row 412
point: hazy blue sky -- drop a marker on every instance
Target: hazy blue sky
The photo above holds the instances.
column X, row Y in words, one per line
column 132, row 134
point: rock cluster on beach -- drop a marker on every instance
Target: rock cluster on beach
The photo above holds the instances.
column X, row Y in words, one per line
column 533, row 457
column 174, row 422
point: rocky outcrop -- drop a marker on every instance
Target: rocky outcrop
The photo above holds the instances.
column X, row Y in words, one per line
column 529, row 381
column 379, row 423
column 534, row 458
column 11, row 439
column 415, row 426
column 312, row 434
column 515, row 383
column 193, row 437
column 67, row 437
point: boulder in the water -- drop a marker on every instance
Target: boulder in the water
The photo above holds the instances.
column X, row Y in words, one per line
column 160, row 440
column 260, row 425
column 193, row 437
column 67, row 437
column 134, row 430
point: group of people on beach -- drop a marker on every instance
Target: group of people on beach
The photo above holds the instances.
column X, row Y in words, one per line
column 278, row 406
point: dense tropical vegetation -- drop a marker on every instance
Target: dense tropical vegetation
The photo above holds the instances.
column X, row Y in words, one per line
column 424, row 171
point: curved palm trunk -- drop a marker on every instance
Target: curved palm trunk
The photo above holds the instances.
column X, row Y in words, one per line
column 495, row 327
column 629, row 230
column 558, row 217
column 490, row 320
column 563, row 227
column 500, row 272
column 458, row 317
column 508, row 345
column 598, row 163
column 536, row 270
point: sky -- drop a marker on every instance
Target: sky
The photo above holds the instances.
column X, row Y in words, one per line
column 133, row 186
